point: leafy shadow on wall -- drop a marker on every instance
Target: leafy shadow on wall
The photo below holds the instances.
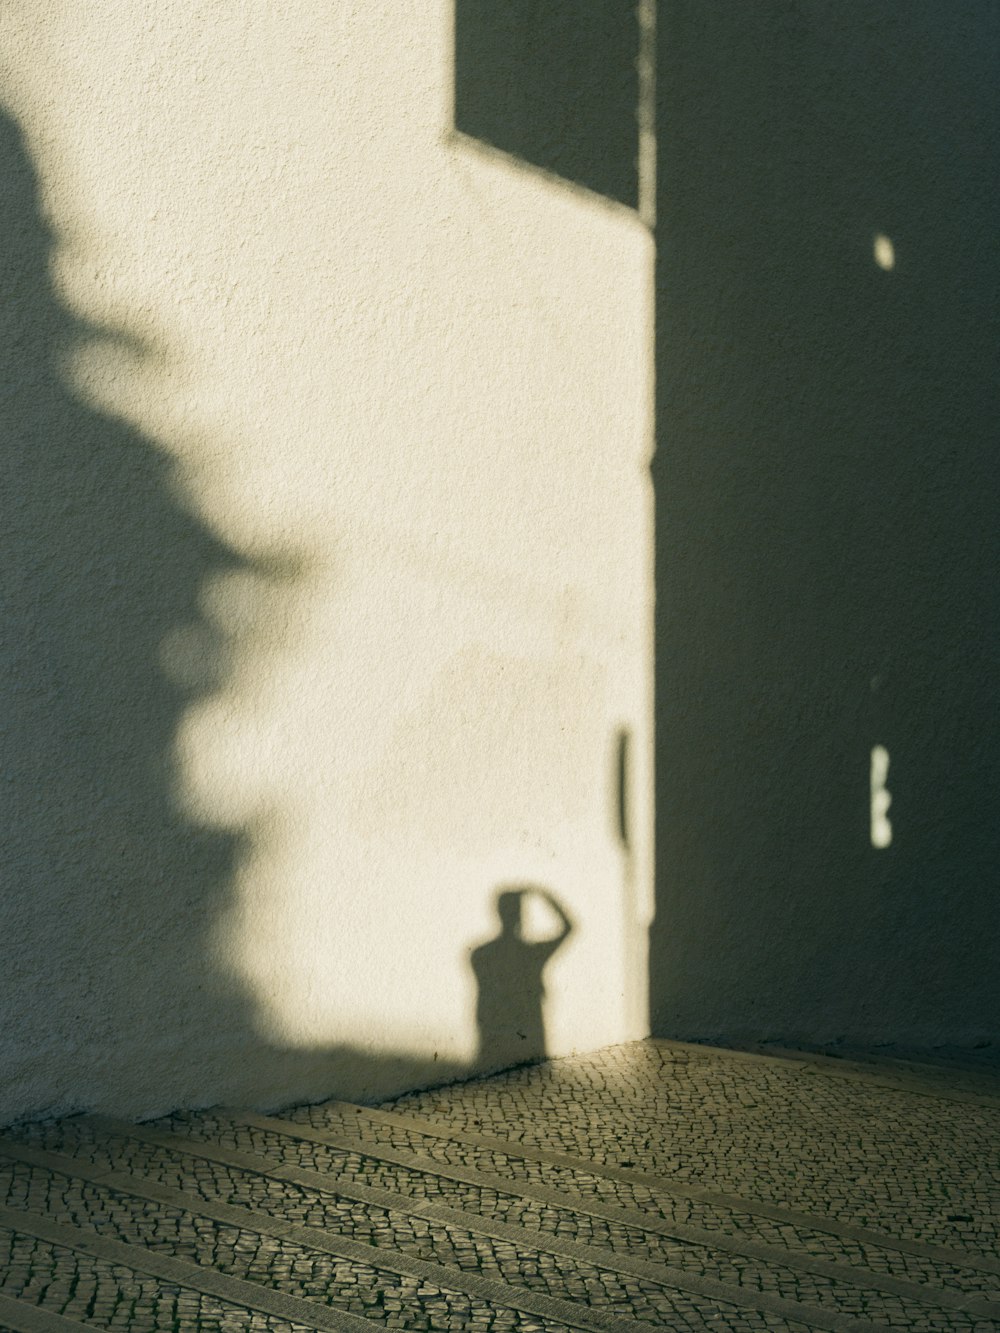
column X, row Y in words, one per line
column 110, row 958
column 111, row 894
column 107, row 887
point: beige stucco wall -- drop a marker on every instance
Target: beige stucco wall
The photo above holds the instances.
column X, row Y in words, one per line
column 331, row 548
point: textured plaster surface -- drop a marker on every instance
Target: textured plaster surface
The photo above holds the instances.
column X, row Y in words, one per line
column 326, row 369
column 329, row 535
column 827, row 567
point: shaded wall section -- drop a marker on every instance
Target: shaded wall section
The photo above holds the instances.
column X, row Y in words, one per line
column 826, row 481
column 555, row 85
column 108, row 888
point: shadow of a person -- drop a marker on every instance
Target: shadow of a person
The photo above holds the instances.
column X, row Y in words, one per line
column 510, row 990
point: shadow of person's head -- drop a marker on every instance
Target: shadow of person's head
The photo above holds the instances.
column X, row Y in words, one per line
column 516, row 907
column 510, row 911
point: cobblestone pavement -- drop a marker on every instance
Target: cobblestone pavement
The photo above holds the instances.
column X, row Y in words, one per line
column 648, row 1186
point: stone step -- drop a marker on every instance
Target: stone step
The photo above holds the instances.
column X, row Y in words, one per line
column 92, row 1281
column 812, row 1281
column 856, row 1153
column 21, row 1318
column 396, row 1139
column 780, row 1284
column 264, row 1135
column 599, row 1290
column 294, row 1259
column 425, row 1216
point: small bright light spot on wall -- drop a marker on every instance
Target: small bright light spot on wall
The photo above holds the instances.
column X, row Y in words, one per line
column 885, row 253
column 881, row 829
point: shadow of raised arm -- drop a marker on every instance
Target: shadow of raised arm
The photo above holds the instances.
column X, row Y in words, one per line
column 566, row 922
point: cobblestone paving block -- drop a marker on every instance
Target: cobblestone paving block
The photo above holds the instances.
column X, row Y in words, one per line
column 710, row 1218
column 492, row 1203
column 853, row 1151
column 289, row 1268
column 112, row 1297
column 373, row 1293
column 865, row 1154
column 451, row 1246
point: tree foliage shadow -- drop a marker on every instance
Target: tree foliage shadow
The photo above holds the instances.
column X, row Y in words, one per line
column 114, row 989
column 115, row 992
column 826, row 564
column 110, row 891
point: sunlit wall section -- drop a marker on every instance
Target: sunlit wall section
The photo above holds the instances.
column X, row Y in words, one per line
column 331, row 700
